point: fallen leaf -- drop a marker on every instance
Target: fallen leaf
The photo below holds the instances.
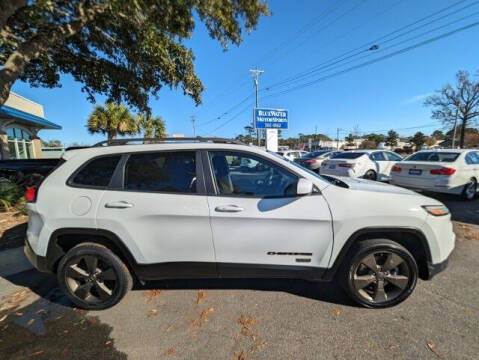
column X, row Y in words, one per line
column 36, row 353
column 170, row 352
column 152, row 312
column 247, row 321
column 169, row 328
column 65, row 331
column 432, row 347
column 248, row 333
column 337, row 312
column 151, row 294
column 15, row 299
column 3, row 317
column 92, row 320
column 203, row 317
column 41, row 311
column 242, row 355
column 259, row 347
column 30, row 322
column 18, row 313
column 201, row 296
column 108, row 342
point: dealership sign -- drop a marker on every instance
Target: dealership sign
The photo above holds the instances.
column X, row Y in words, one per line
column 270, row 118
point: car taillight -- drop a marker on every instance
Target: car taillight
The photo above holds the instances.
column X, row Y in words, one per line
column 346, row 165
column 396, row 169
column 311, row 161
column 443, row 171
column 31, row 194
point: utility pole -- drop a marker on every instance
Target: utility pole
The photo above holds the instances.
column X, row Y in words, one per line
column 337, row 138
column 256, row 72
column 455, row 127
column 193, row 119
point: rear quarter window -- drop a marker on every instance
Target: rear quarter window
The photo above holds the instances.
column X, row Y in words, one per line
column 348, row 155
column 96, row 173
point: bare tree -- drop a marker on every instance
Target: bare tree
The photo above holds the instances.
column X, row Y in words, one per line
column 461, row 101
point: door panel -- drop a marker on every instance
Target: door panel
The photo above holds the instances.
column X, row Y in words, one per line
column 257, row 219
column 160, row 213
column 300, row 227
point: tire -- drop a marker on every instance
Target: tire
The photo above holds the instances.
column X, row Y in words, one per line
column 387, row 285
column 93, row 277
column 470, row 190
column 370, row 175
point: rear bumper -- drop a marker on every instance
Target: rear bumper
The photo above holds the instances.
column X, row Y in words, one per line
column 38, row 262
column 443, row 186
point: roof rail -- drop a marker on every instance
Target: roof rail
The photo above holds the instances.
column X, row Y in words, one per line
column 217, row 140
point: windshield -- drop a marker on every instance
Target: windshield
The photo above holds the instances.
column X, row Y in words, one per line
column 348, row 155
column 432, row 156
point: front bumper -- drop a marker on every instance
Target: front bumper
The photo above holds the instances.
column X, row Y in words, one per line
column 434, row 269
column 38, row 262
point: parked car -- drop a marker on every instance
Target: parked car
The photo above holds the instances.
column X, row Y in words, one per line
column 367, row 164
column 448, row 171
column 202, row 209
column 314, row 159
column 292, row 154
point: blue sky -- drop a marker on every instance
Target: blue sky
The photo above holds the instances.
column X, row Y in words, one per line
column 385, row 95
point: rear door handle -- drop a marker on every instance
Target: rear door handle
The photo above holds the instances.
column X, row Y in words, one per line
column 118, row 205
column 229, row 208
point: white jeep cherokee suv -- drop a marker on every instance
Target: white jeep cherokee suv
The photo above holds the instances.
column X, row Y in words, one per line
column 215, row 208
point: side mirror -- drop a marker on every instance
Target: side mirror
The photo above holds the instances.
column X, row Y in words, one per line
column 304, row 187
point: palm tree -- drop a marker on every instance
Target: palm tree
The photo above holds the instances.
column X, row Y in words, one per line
column 153, row 127
column 113, row 120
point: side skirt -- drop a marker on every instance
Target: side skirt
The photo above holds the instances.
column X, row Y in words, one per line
column 204, row 270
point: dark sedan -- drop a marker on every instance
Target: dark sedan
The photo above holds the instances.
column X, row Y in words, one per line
column 313, row 160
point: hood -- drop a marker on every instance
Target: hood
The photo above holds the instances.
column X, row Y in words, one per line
column 375, row 186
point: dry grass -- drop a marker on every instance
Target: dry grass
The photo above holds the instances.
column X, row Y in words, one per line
column 466, row 231
column 10, row 219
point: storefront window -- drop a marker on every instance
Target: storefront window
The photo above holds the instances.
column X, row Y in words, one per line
column 19, row 144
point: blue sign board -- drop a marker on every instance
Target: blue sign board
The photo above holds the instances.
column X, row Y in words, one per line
column 270, row 118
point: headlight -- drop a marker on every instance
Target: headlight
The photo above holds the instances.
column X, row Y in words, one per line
column 436, row 210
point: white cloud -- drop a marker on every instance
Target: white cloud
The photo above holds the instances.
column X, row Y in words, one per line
column 416, row 98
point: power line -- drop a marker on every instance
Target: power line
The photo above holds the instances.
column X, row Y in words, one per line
column 367, row 46
column 330, row 67
column 398, row 52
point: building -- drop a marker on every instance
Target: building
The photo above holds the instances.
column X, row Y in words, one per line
column 20, row 121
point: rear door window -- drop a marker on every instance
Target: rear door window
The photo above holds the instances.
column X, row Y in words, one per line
column 377, row 156
column 97, row 172
column 390, row 156
column 173, row 172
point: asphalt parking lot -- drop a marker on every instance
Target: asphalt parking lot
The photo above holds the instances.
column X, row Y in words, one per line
column 252, row 319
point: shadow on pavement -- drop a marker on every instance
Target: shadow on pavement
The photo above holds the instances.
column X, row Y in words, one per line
column 46, row 286
column 323, row 291
column 461, row 210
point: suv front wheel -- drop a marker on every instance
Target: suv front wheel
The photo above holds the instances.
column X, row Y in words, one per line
column 379, row 273
column 93, row 277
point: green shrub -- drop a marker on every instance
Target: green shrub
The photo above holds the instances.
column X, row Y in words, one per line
column 10, row 195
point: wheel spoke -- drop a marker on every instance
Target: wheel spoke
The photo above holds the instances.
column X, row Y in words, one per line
column 74, row 272
column 392, row 261
column 370, row 262
column 400, row 281
column 102, row 290
column 91, row 263
column 380, row 294
column 108, row 274
column 83, row 291
column 361, row 281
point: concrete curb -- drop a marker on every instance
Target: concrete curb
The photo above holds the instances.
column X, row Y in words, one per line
column 13, row 261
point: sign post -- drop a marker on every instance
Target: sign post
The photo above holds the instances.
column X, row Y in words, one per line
column 271, row 120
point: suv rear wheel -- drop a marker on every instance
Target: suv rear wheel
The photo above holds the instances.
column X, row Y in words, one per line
column 93, row 277
column 379, row 273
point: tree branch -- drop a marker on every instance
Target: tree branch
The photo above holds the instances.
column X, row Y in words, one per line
column 8, row 8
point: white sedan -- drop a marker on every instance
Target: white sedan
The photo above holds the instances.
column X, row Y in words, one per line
column 368, row 164
column 292, row 154
column 447, row 171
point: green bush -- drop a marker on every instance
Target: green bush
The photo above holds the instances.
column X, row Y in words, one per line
column 10, row 195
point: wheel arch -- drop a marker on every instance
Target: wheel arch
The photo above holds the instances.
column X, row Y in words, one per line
column 411, row 238
column 64, row 239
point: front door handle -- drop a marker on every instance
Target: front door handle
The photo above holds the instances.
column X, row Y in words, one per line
column 229, row 208
column 118, row 205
